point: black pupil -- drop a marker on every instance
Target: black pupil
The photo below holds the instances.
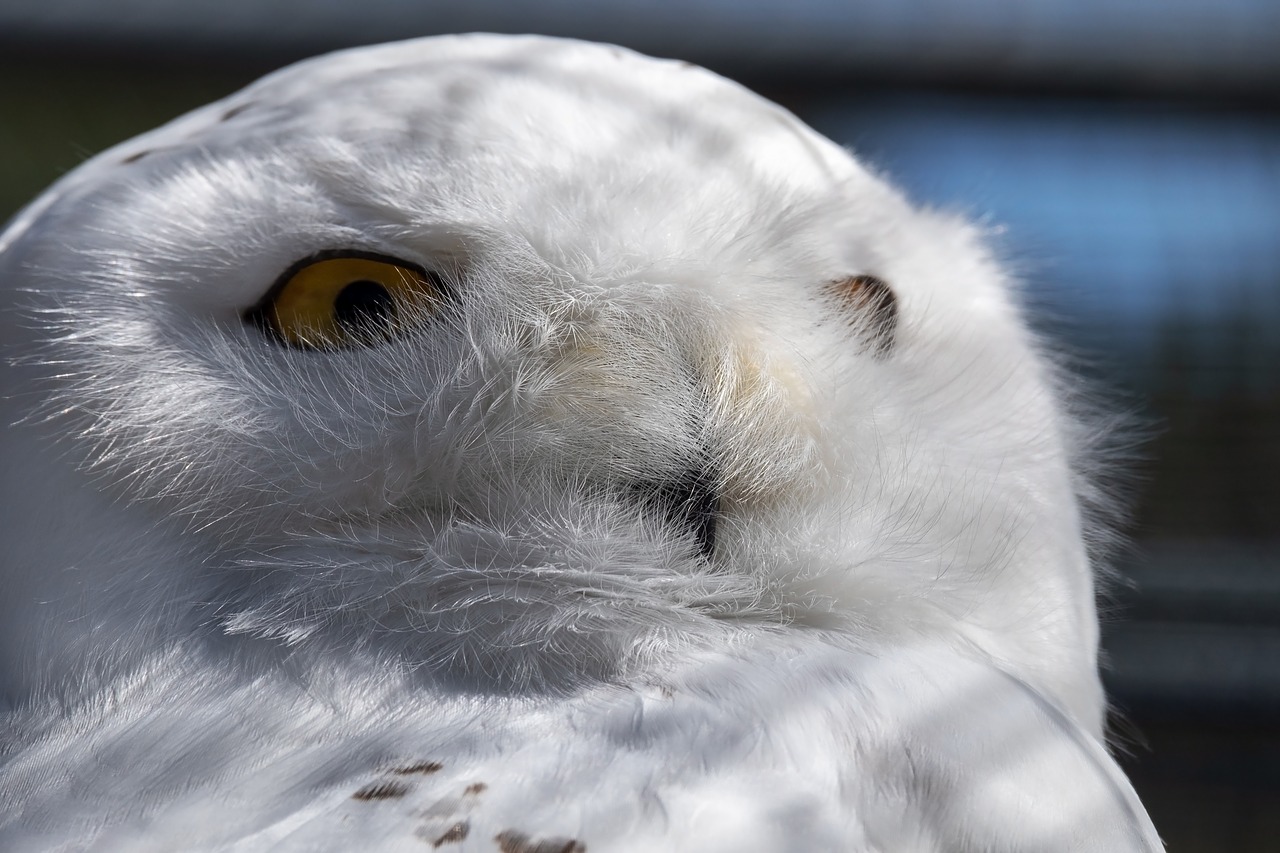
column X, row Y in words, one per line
column 364, row 306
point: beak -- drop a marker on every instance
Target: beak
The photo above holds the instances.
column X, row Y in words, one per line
column 690, row 502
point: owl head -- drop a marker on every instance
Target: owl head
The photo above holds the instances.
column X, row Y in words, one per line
column 520, row 360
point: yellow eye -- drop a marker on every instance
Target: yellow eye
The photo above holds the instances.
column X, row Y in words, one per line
column 341, row 299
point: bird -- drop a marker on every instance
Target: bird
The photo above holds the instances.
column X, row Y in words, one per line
column 517, row 444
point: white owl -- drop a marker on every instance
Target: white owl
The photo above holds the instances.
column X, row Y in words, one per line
column 519, row 445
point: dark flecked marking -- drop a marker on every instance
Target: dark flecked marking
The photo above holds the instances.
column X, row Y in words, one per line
column 517, row 842
column 235, row 111
column 453, row 834
column 476, row 788
column 135, row 157
column 381, row 791
column 874, row 306
column 423, row 767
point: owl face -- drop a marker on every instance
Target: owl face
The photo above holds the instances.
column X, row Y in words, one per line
column 526, row 351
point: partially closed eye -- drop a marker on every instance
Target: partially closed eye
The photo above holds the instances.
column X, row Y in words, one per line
column 341, row 299
column 871, row 307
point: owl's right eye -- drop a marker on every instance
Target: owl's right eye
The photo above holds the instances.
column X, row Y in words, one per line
column 336, row 300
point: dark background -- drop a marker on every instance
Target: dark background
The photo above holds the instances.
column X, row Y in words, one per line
column 1127, row 153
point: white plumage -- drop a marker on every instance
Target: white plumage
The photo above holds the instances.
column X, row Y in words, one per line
column 684, row 489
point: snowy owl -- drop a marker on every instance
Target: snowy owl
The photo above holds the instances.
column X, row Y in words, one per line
column 519, row 445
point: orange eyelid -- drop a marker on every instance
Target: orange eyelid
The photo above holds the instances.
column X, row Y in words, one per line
column 300, row 309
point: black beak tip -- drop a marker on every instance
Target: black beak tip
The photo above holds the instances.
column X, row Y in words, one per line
column 692, row 503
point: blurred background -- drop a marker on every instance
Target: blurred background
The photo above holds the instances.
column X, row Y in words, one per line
column 1127, row 156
